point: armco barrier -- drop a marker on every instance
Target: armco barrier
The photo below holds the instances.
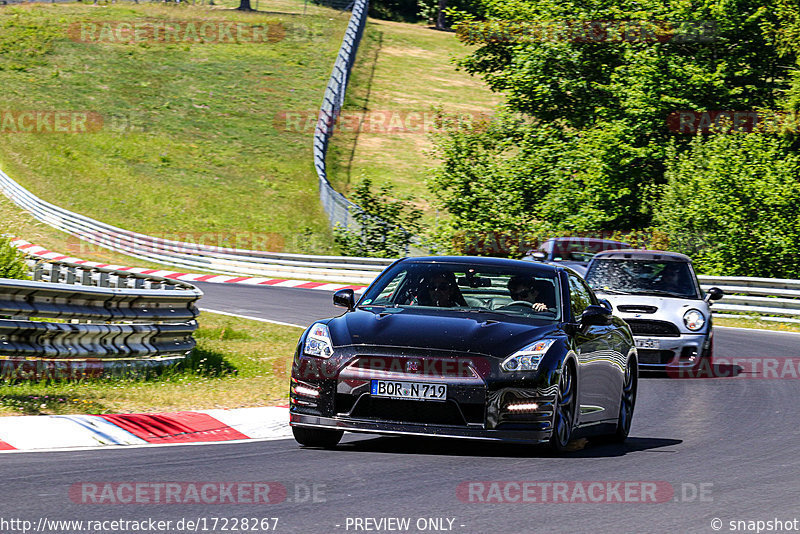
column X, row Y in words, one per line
column 195, row 256
column 759, row 296
column 115, row 323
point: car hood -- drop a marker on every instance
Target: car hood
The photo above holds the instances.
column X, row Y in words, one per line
column 656, row 308
column 476, row 333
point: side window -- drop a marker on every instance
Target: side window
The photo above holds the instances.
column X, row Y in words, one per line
column 579, row 295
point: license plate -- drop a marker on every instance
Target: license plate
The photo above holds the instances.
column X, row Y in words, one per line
column 647, row 343
column 409, row 390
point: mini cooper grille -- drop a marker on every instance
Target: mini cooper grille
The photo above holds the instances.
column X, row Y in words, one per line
column 646, row 327
column 655, row 357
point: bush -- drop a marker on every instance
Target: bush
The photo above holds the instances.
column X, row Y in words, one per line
column 732, row 203
column 12, row 261
column 383, row 229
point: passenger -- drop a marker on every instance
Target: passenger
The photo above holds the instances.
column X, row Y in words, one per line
column 441, row 290
column 523, row 289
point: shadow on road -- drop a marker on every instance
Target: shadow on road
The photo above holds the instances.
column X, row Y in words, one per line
column 452, row 447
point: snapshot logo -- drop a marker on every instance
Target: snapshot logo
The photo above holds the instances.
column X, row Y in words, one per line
column 49, row 122
column 758, row 367
column 175, row 31
column 586, row 31
column 377, row 121
column 193, row 492
column 581, row 491
column 708, row 122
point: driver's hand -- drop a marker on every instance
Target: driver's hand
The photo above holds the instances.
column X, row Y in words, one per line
column 539, row 306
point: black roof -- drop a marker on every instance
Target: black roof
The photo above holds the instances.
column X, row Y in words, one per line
column 638, row 254
column 485, row 260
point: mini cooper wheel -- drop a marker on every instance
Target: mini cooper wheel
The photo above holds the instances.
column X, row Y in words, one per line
column 626, row 403
column 564, row 410
column 317, row 437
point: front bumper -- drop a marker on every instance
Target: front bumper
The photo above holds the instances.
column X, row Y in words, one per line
column 684, row 351
column 411, row 429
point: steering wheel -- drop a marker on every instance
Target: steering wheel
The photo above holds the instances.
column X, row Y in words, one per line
column 521, row 302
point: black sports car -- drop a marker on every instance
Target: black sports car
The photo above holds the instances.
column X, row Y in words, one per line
column 466, row 347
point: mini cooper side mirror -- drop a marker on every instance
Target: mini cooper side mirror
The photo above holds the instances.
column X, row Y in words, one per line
column 345, row 298
column 714, row 293
column 595, row 315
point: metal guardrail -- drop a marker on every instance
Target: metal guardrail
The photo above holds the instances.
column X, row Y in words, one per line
column 758, row 296
column 191, row 255
column 112, row 322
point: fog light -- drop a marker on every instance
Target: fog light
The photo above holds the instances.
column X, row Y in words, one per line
column 522, row 407
column 304, row 391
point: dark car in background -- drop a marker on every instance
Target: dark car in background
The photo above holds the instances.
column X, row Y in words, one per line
column 573, row 252
column 657, row 293
column 466, row 347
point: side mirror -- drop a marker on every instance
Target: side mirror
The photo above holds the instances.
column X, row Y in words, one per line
column 606, row 304
column 539, row 256
column 345, row 298
column 595, row 315
column 714, row 293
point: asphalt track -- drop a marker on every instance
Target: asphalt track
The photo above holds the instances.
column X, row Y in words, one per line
column 727, row 448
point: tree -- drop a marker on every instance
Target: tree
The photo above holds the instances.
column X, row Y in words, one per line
column 732, row 202
column 384, row 225
column 596, row 96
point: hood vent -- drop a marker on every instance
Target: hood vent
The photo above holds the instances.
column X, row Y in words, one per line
column 637, row 308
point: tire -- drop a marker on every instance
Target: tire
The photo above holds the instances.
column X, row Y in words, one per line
column 317, row 437
column 627, row 403
column 564, row 417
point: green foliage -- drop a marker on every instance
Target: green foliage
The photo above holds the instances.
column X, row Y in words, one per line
column 24, row 40
column 591, row 154
column 12, row 261
column 732, row 202
column 385, row 226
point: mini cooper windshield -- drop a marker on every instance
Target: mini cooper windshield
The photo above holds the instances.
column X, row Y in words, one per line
column 643, row 277
column 468, row 288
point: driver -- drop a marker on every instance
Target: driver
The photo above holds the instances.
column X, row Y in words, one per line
column 672, row 279
column 523, row 289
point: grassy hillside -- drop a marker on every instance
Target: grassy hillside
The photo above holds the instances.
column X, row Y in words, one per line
column 403, row 69
column 188, row 142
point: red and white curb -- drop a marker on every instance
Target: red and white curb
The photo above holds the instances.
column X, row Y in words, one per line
column 41, row 252
column 54, row 432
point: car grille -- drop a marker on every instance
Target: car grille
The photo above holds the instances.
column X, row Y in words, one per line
column 655, row 357
column 631, row 308
column 425, row 412
column 647, row 327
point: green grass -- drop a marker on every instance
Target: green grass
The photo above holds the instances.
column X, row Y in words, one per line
column 237, row 363
column 756, row 323
column 403, row 68
column 188, row 143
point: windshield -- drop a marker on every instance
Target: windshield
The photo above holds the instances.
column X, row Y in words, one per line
column 468, row 288
column 671, row 278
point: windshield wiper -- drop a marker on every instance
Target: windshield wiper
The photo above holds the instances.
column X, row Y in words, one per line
column 613, row 291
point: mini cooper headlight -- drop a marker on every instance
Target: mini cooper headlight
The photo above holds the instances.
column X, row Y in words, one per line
column 318, row 342
column 527, row 358
column 694, row 320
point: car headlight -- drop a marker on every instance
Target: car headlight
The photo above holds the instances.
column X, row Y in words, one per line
column 318, row 342
column 694, row 320
column 528, row 357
